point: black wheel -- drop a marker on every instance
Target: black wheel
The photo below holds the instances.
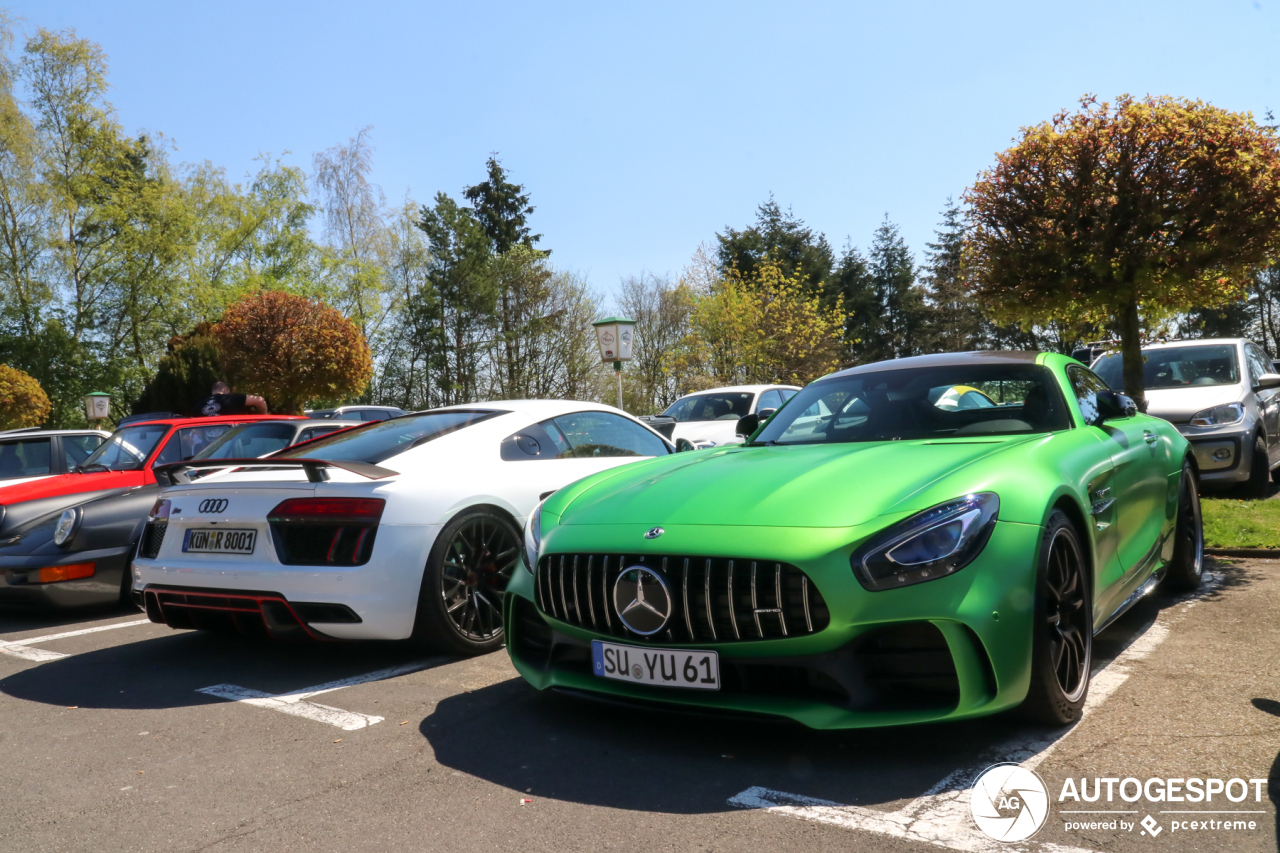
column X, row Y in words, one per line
column 460, row 603
column 1062, row 630
column 1256, row 487
column 1187, row 565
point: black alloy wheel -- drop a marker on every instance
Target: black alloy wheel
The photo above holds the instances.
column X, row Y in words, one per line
column 1186, row 569
column 1062, row 641
column 460, row 604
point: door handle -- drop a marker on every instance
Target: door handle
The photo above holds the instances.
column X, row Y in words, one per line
column 1150, row 437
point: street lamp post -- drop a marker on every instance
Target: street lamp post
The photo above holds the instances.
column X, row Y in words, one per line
column 615, row 336
column 97, row 405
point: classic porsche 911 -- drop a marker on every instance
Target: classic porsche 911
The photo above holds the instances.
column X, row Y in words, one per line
column 869, row 557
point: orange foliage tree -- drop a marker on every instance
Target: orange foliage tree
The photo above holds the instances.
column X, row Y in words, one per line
column 1122, row 212
column 291, row 349
column 23, row 402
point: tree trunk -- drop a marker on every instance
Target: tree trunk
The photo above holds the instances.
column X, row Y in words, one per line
column 1131, row 351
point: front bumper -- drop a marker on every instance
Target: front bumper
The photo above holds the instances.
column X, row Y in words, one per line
column 19, row 585
column 1222, row 457
column 952, row 648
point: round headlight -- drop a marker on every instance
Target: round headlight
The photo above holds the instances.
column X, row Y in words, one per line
column 67, row 524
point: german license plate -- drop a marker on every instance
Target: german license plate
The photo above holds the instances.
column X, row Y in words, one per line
column 657, row 667
column 208, row 541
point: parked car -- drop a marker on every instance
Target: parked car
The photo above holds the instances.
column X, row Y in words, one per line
column 408, row 528
column 358, row 413
column 79, row 556
column 33, row 454
column 1222, row 395
column 890, row 562
column 709, row 418
column 123, row 461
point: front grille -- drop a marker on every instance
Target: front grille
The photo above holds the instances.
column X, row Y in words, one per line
column 152, row 538
column 716, row 599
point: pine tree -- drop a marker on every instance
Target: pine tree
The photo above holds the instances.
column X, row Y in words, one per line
column 956, row 322
column 782, row 237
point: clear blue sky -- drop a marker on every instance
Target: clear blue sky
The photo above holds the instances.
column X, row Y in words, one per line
column 642, row 129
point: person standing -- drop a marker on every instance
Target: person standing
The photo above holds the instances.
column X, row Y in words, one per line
column 223, row 402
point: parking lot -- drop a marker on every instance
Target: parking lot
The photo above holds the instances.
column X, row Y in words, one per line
column 119, row 734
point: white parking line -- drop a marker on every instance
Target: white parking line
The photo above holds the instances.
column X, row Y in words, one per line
column 295, row 702
column 940, row 817
column 21, row 648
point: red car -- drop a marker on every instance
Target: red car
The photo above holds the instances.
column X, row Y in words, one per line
column 122, row 462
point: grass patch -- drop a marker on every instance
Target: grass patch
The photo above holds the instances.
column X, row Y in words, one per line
column 1230, row 523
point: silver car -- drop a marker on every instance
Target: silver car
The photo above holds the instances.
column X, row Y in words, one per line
column 1221, row 394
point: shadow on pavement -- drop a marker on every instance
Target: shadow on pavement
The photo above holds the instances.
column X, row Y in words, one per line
column 649, row 759
column 16, row 619
column 166, row 672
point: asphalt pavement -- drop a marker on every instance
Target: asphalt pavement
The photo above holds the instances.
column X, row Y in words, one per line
column 118, row 734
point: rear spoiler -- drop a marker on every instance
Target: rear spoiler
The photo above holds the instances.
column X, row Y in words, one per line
column 172, row 473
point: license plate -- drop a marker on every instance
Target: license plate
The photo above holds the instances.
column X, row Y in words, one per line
column 657, row 667
column 202, row 541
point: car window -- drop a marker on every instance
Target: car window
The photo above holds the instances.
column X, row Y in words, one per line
column 1085, row 385
column 77, row 448
column 787, row 393
column 895, row 405
column 769, row 400
column 374, row 415
column 596, row 434
column 379, row 442
column 537, row 441
column 247, row 441
column 1259, row 364
column 1176, row 367
column 190, row 442
column 28, row 458
column 720, row 406
column 128, row 448
column 308, row 434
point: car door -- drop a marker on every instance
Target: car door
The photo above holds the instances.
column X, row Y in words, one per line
column 25, row 459
column 1268, row 398
column 1138, row 485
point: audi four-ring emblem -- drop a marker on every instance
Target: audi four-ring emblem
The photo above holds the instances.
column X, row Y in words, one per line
column 212, row 505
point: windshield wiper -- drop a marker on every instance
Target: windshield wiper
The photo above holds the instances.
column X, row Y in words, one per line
column 85, row 469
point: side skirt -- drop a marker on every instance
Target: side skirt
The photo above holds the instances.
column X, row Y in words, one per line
column 1145, row 589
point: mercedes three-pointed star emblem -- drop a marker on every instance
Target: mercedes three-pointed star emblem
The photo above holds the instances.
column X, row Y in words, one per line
column 642, row 600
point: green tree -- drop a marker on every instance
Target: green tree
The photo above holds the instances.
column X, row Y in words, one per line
column 955, row 318
column 783, row 237
column 661, row 310
column 1125, row 213
column 23, row 402
column 503, row 210
column 184, row 375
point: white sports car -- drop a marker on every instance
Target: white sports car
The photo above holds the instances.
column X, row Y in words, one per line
column 404, row 529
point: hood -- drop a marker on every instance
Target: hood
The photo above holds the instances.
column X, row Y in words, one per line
column 64, row 484
column 717, row 431
column 1177, row 405
column 831, row 485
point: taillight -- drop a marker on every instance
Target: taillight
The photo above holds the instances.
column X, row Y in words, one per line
column 328, row 511
column 325, row 531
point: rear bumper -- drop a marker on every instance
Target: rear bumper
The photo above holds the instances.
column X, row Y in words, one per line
column 19, row 589
column 383, row 593
column 251, row 613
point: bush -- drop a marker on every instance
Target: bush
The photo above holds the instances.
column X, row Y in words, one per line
column 23, row 402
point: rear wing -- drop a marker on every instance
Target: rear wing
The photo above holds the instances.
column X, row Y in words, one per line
column 173, row 473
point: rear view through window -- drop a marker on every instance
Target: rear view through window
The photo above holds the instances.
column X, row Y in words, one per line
column 384, row 440
column 711, row 407
column 1176, row 367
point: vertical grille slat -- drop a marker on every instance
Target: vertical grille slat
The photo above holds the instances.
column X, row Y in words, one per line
column 777, row 597
column 799, row 605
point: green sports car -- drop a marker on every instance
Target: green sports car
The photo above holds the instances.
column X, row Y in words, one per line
column 875, row 554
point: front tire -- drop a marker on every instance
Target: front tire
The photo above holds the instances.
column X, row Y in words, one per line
column 1258, row 484
column 460, row 601
column 1062, row 628
column 1187, row 566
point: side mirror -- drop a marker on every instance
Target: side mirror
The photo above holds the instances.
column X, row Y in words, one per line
column 748, row 425
column 1111, row 405
column 683, row 445
column 765, row 414
column 1267, row 380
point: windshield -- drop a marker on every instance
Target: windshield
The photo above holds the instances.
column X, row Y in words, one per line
column 250, row 440
column 925, row 402
column 127, row 449
column 711, row 407
column 387, row 438
column 1176, row 367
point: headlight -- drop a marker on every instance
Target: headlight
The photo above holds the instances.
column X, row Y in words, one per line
column 928, row 545
column 1224, row 415
column 67, row 524
column 532, row 537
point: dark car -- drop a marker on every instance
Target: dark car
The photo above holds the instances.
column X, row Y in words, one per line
column 79, row 555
